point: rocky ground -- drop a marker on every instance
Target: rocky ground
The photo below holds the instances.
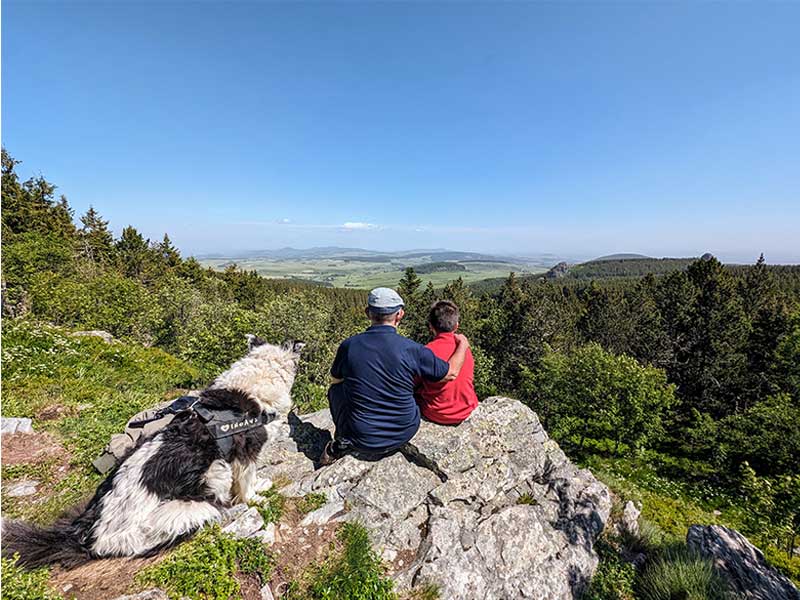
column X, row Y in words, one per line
column 489, row 509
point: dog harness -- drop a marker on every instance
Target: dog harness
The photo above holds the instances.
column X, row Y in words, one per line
column 221, row 423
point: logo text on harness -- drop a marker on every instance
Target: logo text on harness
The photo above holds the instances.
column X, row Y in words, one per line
column 238, row 425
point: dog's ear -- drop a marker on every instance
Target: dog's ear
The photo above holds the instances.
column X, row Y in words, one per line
column 293, row 346
column 254, row 341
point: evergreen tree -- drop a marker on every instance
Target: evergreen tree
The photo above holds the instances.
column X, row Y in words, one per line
column 132, row 252
column 96, row 241
column 716, row 362
column 169, row 256
column 414, row 325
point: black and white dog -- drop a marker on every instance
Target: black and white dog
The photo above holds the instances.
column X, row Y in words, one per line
column 174, row 482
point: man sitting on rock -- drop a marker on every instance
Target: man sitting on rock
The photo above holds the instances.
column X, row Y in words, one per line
column 447, row 402
column 372, row 382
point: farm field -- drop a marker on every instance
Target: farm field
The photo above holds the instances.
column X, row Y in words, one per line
column 359, row 273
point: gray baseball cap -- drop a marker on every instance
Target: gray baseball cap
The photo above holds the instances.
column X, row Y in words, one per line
column 385, row 301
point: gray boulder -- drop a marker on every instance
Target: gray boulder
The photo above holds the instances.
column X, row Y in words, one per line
column 245, row 524
column 453, row 498
column 98, row 333
column 15, row 425
column 153, row 594
column 741, row 563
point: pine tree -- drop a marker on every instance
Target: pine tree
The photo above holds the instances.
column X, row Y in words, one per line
column 170, row 257
column 414, row 325
column 715, row 368
column 132, row 252
column 97, row 243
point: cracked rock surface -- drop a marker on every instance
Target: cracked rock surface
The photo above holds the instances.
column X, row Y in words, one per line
column 490, row 509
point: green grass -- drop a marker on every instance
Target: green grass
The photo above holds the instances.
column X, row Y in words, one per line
column 353, row 571
column 205, row 568
column 98, row 387
column 669, row 508
column 676, row 572
column 21, row 584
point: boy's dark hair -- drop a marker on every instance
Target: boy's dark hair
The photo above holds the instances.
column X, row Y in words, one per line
column 443, row 316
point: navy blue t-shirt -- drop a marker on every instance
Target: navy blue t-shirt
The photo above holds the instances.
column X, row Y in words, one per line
column 378, row 368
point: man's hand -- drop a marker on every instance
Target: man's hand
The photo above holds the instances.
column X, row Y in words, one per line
column 461, row 339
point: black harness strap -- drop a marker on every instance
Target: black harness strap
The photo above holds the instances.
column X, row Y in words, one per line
column 221, row 423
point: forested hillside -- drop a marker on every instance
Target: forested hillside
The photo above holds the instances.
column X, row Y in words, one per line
column 684, row 386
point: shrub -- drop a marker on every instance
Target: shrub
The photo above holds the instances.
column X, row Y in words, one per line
column 679, row 573
column 613, row 579
column 591, row 393
column 271, row 508
column 352, row 571
column 205, row 568
column 21, row 584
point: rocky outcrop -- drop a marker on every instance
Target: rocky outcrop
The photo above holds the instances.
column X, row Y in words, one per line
column 558, row 271
column 741, row 563
column 490, row 509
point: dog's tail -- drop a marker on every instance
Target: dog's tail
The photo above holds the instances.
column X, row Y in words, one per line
column 40, row 546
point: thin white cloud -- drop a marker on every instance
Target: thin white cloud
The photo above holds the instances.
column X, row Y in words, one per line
column 359, row 226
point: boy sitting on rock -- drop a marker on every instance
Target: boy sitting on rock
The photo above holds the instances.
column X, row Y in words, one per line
column 447, row 402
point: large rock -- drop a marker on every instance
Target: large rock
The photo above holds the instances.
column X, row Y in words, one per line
column 491, row 509
column 741, row 563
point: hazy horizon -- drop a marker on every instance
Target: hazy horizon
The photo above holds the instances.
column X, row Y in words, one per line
column 578, row 130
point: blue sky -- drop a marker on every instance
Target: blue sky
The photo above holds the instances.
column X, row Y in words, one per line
column 578, row 129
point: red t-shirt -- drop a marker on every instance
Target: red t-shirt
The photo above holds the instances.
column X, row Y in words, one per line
column 448, row 402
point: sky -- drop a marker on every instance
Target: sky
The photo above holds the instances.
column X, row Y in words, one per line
column 577, row 129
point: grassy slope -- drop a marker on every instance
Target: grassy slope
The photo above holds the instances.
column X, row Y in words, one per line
column 673, row 507
column 89, row 389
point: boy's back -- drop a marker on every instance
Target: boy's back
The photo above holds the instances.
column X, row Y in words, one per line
column 448, row 402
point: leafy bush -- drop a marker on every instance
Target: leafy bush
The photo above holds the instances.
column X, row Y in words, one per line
column 353, row 571
column 614, row 577
column 205, row 567
column 591, row 393
column 272, row 507
column 22, row 584
column 679, row 573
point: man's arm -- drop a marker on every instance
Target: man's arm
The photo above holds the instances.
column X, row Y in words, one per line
column 337, row 376
column 458, row 357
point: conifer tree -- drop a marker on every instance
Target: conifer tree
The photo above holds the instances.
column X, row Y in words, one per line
column 169, row 255
column 96, row 241
column 132, row 252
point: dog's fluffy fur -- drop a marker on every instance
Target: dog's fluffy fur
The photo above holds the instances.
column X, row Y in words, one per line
column 174, row 482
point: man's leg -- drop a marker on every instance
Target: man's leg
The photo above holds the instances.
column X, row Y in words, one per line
column 341, row 444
